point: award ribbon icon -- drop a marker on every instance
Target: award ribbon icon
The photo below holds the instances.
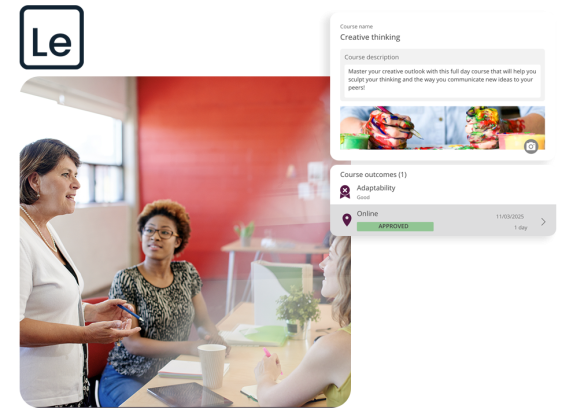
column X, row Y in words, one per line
column 345, row 191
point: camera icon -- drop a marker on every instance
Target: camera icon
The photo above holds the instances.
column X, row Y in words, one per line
column 531, row 146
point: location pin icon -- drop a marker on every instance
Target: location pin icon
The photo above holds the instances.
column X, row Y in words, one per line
column 347, row 219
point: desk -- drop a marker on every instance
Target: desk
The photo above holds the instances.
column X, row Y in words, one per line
column 299, row 248
column 243, row 360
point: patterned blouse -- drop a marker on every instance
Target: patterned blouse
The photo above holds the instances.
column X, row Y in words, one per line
column 168, row 314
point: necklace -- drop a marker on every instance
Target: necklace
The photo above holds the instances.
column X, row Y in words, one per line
column 54, row 248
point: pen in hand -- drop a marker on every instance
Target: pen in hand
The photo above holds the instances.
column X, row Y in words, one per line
column 140, row 320
column 269, row 355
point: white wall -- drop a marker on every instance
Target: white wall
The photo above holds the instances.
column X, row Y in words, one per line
column 97, row 238
column 131, row 175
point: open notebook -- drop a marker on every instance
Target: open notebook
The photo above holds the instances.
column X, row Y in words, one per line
column 252, row 392
column 256, row 335
column 184, row 369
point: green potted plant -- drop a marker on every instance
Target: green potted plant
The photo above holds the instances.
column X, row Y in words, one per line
column 298, row 309
column 245, row 232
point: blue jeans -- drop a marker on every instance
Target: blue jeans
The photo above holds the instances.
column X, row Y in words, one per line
column 115, row 388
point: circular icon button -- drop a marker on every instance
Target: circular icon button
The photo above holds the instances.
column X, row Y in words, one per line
column 345, row 191
column 531, row 146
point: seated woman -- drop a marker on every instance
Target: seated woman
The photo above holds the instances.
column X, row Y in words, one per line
column 167, row 295
column 327, row 365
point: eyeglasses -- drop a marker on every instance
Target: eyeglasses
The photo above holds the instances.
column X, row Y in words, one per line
column 164, row 234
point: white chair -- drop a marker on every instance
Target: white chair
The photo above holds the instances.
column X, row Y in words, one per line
column 272, row 280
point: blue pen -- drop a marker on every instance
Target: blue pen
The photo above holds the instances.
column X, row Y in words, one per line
column 127, row 310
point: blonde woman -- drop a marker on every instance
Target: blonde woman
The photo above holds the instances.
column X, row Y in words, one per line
column 327, row 365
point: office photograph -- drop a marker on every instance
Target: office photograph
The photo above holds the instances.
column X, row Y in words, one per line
column 175, row 245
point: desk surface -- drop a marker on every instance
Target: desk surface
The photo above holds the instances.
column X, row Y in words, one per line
column 243, row 361
column 298, row 248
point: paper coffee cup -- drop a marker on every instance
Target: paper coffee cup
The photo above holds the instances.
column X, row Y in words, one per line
column 212, row 363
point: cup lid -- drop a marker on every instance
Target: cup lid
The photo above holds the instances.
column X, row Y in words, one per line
column 211, row 347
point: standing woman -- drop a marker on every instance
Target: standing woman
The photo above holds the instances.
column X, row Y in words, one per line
column 53, row 354
column 167, row 295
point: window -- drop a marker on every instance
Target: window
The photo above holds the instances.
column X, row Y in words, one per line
column 96, row 138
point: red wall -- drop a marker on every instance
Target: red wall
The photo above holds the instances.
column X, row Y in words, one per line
column 221, row 147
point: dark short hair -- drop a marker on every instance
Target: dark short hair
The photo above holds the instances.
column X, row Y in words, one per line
column 41, row 157
column 175, row 212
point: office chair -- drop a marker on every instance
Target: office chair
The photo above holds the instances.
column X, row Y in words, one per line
column 96, row 360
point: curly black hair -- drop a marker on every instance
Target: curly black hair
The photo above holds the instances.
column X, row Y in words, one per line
column 173, row 211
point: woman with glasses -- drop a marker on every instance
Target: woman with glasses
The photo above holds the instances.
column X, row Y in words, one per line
column 166, row 294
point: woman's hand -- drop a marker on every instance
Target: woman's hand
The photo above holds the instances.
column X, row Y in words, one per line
column 268, row 368
column 107, row 310
column 387, row 130
column 482, row 127
column 205, row 327
column 207, row 339
column 107, row 332
column 193, row 347
column 217, row 339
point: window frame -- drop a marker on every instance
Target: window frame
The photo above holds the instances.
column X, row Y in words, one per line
column 91, row 166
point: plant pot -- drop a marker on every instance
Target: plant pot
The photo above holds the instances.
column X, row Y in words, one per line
column 245, row 241
column 297, row 331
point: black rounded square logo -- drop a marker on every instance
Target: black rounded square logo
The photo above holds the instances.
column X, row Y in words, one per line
column 51, row 37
